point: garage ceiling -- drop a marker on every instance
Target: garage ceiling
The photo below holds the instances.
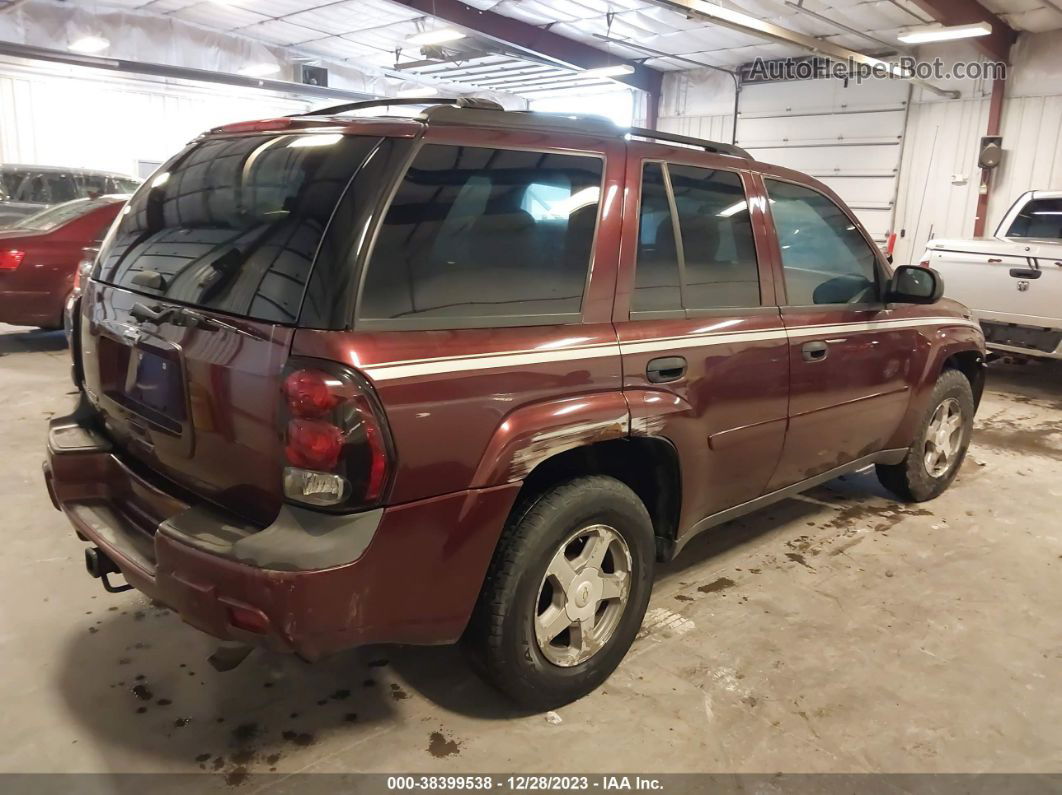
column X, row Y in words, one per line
column 375, row 32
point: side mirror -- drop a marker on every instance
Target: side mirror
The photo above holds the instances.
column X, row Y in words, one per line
column 911, row 284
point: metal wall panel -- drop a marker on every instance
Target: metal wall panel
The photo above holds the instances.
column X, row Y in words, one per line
column 939, row 186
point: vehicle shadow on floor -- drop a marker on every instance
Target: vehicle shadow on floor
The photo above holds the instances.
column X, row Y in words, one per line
column 139, row 679
column 15, row 339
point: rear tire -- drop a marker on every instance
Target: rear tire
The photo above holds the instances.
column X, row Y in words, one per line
column 584, row 548
column 940, row 446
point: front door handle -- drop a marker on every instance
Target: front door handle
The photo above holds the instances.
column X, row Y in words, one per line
column 814, row 351
column 1025, row 273
column 666, row 368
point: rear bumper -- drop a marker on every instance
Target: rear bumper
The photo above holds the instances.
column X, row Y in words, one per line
column 309, row 583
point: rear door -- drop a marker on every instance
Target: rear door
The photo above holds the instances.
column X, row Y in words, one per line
column 851, row 360
column 705, row 360
column 188, row 320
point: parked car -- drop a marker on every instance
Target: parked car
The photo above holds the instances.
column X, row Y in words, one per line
column 467, row 375
column 40, row 256
column 25, row 190
column 1013, row 280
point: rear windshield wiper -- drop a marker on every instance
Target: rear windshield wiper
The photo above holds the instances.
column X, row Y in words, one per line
column 177, row 315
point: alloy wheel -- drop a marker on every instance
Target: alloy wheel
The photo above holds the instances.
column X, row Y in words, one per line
column 583, row 595
column 943, row 438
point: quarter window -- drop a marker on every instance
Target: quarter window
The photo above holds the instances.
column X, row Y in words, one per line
column 486, row 236
column 715, row 266
column 825, row 258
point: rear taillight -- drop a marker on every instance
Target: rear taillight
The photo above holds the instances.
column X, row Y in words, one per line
column 11, row 258
column 337, row 449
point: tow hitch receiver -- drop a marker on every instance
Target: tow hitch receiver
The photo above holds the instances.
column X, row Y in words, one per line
column 100, row 566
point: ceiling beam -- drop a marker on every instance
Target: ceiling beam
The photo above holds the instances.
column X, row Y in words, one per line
column 534, row 40
column 996, row 45
column 740, row 21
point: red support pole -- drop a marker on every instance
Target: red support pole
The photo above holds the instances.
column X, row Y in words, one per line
column 995, row 117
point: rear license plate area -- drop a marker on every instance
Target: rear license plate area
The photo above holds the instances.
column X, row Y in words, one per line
column 145, row 379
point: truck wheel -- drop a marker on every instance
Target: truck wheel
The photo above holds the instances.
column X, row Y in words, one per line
column 565, row 593
column 940, row 446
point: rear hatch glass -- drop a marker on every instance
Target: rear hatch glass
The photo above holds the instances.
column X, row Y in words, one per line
column 234, row 224
column 188, row 321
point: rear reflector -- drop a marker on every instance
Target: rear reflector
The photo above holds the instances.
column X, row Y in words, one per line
column 11, row 258
column 249, row 619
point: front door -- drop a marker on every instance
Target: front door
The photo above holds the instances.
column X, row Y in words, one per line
column 704, row 351
column 849, row 357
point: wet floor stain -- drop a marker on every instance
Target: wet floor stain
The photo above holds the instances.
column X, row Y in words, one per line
column 441, row 746
column 245, row 732
column 796, row 557
column 397, row 693
column 301, row 739
column 717, row 585
column 143, row 692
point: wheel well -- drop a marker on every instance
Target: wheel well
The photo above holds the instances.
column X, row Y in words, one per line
column 648, row 466
column 972, row 365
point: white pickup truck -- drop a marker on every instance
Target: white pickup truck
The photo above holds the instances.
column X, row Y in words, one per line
column 1012, row 281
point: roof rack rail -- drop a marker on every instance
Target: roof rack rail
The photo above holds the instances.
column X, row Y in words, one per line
column 700, row 143
column 460, row 102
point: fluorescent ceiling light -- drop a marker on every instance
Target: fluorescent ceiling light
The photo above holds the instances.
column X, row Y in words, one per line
column 260, row 70
column 90, row 44
column 440, row 36
column 419, row 91
column 609, row 71
column 944, row 33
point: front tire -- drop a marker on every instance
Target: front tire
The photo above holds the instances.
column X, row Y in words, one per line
column 940, row 447
column 565, row 593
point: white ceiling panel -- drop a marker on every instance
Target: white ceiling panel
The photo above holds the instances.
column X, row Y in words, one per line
column 369, row 31
column 222, row 17
column 277, row 31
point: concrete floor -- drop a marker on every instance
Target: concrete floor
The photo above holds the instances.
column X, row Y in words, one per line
column 835, row 632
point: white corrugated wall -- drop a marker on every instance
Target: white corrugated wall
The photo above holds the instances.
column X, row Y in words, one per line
column 938, row 178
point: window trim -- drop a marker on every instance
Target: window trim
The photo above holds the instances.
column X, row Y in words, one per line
column 880, row 274
column 680, row 251
column 453, row 322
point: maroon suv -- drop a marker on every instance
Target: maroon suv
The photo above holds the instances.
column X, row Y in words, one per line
column 351, row 380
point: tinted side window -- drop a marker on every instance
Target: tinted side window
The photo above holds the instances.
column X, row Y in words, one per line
column 717, row 243
column 1040, row 218
column 826, row 259
column 656, row 276
column 485, row 233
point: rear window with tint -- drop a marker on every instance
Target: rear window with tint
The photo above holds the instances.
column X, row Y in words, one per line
column 234, row 224
column 478, row 236
column 1039, row 218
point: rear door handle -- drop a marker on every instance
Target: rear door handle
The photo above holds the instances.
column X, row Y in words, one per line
column 664, row 369
column 1025, row 273
column 814, row 351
